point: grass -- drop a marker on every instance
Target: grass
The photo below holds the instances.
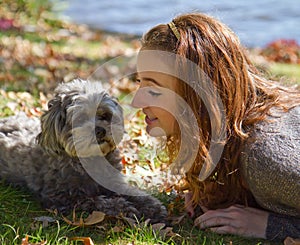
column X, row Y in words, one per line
column 288, row 73
column 19, row 212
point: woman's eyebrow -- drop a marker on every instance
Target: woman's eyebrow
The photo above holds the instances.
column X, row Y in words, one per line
column 149, row 79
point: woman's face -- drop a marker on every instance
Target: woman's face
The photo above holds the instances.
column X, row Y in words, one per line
column 156, row 98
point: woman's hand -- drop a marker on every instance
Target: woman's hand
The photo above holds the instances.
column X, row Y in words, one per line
column 236, row 220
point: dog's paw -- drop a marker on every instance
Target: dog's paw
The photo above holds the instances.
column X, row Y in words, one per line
column 150, row 208
column 115, row 206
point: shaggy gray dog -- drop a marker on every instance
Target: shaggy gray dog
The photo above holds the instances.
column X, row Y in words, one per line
column 82, row 123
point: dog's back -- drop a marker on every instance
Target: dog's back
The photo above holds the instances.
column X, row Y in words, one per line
column 17, row 141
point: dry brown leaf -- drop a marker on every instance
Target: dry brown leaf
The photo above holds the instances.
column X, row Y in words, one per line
column 292, row 241
column 130, row 221
column 51, row 211
column 177, row 220
column 25, row 242
column 118, row 229
column 145, row 223
column 158, row 226
column 94, row 218
column 85, row 240
column 73, row 222
column 168, row 232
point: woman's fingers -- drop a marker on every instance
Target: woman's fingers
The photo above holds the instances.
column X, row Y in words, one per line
column 213, row 218
column 237, row 220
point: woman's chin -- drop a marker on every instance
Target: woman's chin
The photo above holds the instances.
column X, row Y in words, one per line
column 155, row 131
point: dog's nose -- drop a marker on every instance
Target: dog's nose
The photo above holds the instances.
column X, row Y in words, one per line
column 100, row 132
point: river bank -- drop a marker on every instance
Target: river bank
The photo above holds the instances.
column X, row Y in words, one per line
column 38, row 49
column 252, row 21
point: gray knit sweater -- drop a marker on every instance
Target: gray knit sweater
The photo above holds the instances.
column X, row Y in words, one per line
column 271, row 168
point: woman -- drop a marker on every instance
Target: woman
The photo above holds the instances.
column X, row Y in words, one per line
column 234, row 134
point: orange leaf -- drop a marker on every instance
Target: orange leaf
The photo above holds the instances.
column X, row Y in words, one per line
column 85, row 240
column 25, row 242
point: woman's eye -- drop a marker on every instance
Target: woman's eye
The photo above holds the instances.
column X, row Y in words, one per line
column 154, row 93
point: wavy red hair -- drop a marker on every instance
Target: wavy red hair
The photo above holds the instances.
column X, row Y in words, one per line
column 246, row 95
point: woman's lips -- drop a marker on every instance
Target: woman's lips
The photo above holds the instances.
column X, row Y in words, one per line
column 150, row 121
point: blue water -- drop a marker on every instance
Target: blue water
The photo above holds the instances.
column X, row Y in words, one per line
column 256, row 22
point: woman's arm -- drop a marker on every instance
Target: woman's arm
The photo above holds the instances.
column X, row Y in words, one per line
column 249, row 222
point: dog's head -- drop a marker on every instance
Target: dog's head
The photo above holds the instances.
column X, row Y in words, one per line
column 82, row 121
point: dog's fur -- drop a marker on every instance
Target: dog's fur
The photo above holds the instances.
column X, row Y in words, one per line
column 41, row 154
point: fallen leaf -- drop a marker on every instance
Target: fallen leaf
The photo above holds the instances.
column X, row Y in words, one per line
column 51, row 211
column 177, row 220
column 6, row 24
column 158, row 226
column 25, row 242
column 85, row 240
column 130, row 221
column 168, row 232
column 145, row 223
column 118, row 229
column 94, row 218
column 291, row 241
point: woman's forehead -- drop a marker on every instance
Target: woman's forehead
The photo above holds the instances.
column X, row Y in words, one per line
column 156, row 61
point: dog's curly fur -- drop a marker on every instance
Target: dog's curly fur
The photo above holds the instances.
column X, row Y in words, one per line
column 44, row 155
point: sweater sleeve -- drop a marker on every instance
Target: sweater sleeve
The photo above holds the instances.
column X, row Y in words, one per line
column 270, row 165
column 281, row 226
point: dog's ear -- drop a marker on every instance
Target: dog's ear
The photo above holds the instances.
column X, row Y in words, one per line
column 52, row 122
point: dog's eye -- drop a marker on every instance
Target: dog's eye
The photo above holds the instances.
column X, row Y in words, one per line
column 50, row 104
column 104, row 116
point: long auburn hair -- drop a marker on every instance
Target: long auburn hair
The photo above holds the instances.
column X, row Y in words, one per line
column 246, row 95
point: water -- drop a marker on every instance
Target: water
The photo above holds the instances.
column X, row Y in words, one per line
column 256, row 22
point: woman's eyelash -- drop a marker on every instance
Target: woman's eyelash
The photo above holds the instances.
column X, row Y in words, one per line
column 151, row 92
column 154, row 93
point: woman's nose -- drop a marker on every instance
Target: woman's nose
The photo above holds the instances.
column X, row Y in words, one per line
column 138, row 101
